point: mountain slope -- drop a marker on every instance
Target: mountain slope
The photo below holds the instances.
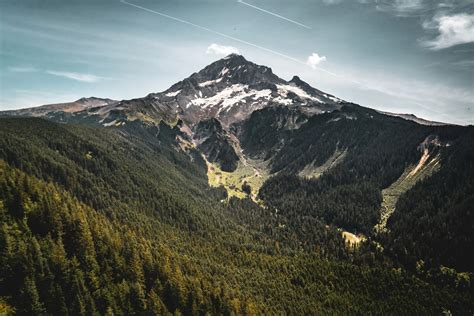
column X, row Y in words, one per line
column 308, row 170
column 50, row 110
column 140, row 247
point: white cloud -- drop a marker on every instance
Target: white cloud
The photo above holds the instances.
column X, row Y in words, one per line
column 314, row 59
column 217, row 49
column 453, row 30
column 22, row 69
column 75, row 76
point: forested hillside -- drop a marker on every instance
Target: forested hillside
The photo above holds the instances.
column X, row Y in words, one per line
column 433, row 220
column 122, row 221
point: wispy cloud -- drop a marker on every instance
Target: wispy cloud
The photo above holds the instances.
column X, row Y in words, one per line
column 75, row 76
column 402, row 7
column 22, row 69
column 216, row 49
column 397, row 7
column 332, row 1
column 314, row 59
column 435, row 98
column 275, row 14
column 468, row 63
column 413, row 8
column 65, row 74
column 452, row 30
column 448, row 18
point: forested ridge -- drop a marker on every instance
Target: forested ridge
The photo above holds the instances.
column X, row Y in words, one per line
column 434, row 220
column 117, row 221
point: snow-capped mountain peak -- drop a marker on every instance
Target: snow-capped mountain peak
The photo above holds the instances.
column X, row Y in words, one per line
column 229, row 89
column 232, row 88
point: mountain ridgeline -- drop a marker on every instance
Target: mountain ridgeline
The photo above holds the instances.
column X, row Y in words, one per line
column 233, row 192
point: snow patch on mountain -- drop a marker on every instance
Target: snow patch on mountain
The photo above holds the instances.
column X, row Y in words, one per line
column 229, row 96
column 223, row 72
column 210, row 82
column 283, row 101
column 265, row 93
column 332, row 98
column 285, row 89
column 173, row 94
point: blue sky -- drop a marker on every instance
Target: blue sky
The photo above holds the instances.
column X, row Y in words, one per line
column 407, row 56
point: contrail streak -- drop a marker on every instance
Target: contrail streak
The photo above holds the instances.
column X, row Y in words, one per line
column 274, row 14
column 215, row 32
column 238, row 40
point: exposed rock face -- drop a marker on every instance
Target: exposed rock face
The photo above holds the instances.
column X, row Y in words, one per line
column 214, row 142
